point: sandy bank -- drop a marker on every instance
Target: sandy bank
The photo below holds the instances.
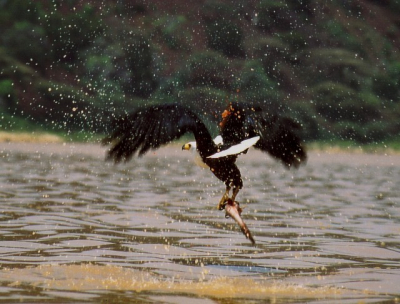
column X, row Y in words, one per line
column 29, row 137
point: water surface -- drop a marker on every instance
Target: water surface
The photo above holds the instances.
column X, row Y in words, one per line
column 73, row 227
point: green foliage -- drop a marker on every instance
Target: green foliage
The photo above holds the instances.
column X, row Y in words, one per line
column 214, row 10
column 337, row 102
column 394, row 6
column 222, row 27
column 394, row 71
column 271, row 50
column 65, row 108
column 387, row 85
column 123, row 65
column 20, row 10
column 304, row 113
column 226, row 37
column 138, row 58
column 99, row 78
column 12, row 68
column 327, row 64
column 204, row 99
column 273, row 14
column 73, row 32
column 277, row 60
column 99, row 66
column 101, row 72
column 6, row 87
column 129, row 8
column 296, row 40
column 60, row 107
column 173, row 32
column 208, row 102
column 338, row 35
column 11, row 122
column 336, row 65
column 374, row 131
column 254, row 85
column 7, row 94
column 28, row 43
column 207, row 68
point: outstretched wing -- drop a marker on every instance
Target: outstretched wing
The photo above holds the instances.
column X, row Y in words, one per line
column 153, row 126
column 278, row 135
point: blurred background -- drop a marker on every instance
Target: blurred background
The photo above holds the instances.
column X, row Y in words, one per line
column 69, row 67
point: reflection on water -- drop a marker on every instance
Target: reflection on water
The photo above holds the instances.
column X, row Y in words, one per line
column 73, row 227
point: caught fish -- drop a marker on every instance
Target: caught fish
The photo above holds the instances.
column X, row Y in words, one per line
column 233, row 210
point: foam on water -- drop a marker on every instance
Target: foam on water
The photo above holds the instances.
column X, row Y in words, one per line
column 89, row 277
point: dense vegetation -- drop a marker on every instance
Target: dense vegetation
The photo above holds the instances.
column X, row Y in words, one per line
column 70, row 66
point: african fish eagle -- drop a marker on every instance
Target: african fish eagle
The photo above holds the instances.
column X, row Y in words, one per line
column 242, row 126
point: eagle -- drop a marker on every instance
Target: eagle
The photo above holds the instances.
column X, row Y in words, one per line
column 243, row 125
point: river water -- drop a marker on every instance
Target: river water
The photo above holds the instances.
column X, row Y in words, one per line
column 74, row 228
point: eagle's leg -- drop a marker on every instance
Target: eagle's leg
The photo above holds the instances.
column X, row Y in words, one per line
column 225, row 197
column 234, row 193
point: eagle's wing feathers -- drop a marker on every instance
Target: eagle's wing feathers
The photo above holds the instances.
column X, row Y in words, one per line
column 278, row 135
column 154, row 126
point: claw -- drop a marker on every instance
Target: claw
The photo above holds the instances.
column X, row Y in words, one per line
column 223, row 201
column 221, row 205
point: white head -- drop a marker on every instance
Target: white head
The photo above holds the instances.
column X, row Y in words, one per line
column 191, row 146
column 218, row 140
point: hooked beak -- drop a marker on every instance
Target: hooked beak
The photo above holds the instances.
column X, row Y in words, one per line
column 186, row 146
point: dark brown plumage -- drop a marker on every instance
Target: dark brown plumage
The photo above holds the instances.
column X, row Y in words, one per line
column 154, row 126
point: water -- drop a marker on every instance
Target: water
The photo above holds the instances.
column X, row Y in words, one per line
column 74, row 228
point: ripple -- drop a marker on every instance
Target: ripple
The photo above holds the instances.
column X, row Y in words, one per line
column 156, row 217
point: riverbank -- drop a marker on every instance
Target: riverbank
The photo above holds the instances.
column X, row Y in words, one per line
column 33, row 137
column 330, row 147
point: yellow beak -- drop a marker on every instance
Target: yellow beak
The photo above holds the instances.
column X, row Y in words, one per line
column 186, row 146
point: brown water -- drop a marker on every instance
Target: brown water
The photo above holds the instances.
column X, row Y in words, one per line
column 74, row 228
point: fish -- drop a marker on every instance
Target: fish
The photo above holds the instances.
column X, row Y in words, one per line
column 233, row 210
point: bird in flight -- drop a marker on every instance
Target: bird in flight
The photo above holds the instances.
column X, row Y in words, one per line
column 242, row 126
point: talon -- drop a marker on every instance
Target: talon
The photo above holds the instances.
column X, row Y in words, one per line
column 223, row 201
column 222, row 204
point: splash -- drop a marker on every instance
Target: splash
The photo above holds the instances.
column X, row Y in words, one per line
column 88, row 277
